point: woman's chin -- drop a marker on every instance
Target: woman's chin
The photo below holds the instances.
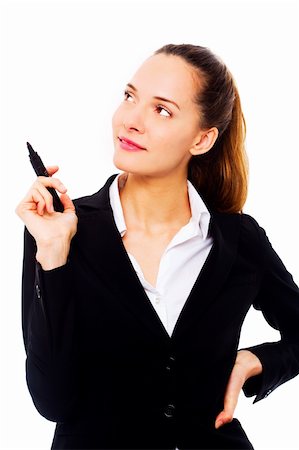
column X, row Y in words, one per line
column 122, row 164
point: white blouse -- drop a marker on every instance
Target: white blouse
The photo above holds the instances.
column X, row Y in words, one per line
column 181, row 261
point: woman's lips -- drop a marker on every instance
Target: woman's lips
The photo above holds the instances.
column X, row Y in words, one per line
column 129, row 147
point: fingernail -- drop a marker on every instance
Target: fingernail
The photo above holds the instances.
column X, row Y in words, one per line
column 51, row 208
column 62, row 187
column 219, row 423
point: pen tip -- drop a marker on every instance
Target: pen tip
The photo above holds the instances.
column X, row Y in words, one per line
column 31, row 151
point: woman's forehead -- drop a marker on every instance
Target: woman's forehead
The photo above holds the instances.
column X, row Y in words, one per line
column 165, row 76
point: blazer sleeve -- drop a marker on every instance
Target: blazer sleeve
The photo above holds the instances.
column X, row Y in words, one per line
column 48, row 325
column 278, row 299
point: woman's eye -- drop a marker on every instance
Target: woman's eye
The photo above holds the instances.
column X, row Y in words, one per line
column 159, row 107
column 126, row 93
column 162, row 108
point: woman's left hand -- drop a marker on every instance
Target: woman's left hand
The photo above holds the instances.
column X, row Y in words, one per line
column 246, row 365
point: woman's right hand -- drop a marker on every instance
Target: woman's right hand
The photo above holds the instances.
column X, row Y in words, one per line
column 51, row 230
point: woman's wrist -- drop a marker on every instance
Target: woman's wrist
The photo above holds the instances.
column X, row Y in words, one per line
column 54, row 254
column 251, row 363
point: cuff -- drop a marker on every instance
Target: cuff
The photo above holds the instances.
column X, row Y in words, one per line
column 260, row 385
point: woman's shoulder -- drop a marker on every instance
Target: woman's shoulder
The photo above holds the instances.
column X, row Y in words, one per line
column 242, row 223
column 252, row 229
column 95, row 203
column 246, row 220
column 250, row 222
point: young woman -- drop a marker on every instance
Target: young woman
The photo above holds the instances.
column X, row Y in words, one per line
column 134, row 297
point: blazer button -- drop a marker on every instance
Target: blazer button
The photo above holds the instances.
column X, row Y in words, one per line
column 170, row 363
column 169, row 410
column 37, row 289
column 267, row 393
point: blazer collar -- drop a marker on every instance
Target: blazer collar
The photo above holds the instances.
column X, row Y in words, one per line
column 108, row 256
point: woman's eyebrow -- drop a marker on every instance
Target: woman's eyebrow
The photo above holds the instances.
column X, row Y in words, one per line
column 157, row 98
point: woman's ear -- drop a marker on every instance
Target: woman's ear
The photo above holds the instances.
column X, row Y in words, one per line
column 204, row 141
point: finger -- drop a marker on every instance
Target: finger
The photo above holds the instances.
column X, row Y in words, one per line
column 39, row 201
column 52, row 169
column 47, row 197
column 40, row 185
column 33, row 201
column 50, row 182
column 68, row 205
column 232, row 393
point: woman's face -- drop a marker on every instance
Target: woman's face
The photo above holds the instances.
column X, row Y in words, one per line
column 166, row 131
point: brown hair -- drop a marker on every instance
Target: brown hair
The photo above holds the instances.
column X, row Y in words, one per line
column 221, row 174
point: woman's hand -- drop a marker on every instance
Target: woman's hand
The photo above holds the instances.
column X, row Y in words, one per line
column 51, row 230
column 246, row 365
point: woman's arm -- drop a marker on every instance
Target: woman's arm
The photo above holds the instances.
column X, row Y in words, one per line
column 48, row 310
column 278, row 299
column 260, row 369
column 48, row 321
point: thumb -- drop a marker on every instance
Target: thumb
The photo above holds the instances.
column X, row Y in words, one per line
column 233, row 389
column 227, row 413
column 52, row 169
column 67, row 203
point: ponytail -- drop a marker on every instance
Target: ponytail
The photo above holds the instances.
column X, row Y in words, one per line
column 221, row 174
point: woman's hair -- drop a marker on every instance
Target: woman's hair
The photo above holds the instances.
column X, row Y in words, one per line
column 221, row 174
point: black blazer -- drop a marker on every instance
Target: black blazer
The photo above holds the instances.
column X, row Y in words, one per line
column 101, row 364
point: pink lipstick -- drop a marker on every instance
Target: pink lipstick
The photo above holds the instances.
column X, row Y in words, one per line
column 129, row 145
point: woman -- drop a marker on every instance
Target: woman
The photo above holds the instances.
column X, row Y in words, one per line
column 134, row 297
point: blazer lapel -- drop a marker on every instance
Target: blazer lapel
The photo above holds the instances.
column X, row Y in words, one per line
column 224, row 229
column 108, row 257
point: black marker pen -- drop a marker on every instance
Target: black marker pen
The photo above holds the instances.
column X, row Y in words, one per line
column 40, row 170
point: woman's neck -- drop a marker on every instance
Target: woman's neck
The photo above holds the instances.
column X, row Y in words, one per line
column 154, row 205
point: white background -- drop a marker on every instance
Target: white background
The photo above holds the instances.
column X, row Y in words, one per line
column 64, row 66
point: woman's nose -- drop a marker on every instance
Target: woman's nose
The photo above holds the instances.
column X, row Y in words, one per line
column 134, row 119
